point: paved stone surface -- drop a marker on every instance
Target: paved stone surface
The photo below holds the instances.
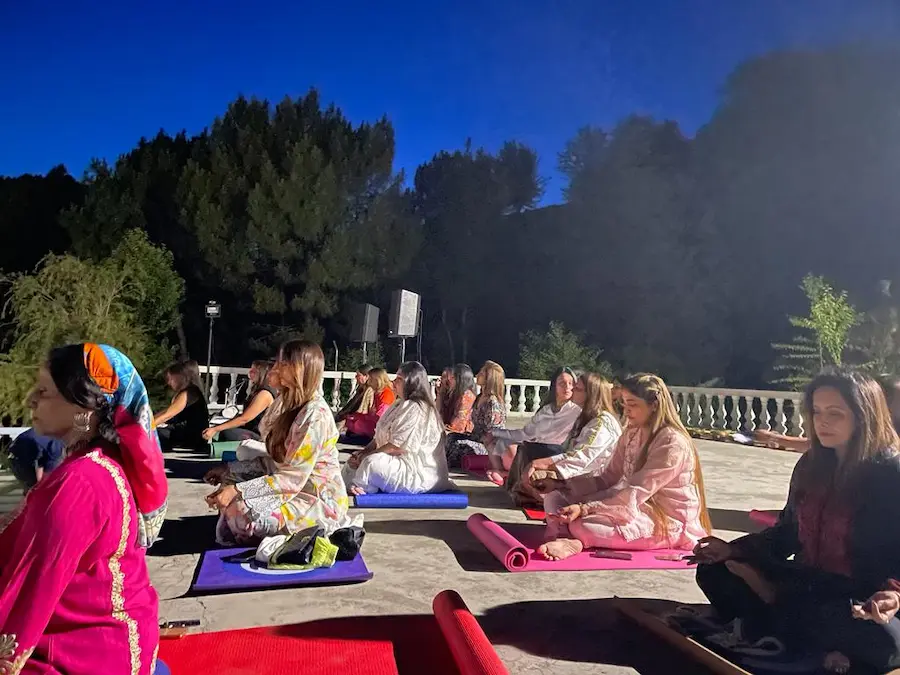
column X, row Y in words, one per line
column 557, row 623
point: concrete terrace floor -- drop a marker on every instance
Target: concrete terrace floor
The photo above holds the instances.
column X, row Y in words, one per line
column 557, row 623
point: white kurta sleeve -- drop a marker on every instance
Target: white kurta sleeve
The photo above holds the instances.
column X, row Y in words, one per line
column 591, row 450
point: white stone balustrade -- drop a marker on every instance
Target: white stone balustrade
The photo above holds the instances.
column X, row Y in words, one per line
column 699, row 407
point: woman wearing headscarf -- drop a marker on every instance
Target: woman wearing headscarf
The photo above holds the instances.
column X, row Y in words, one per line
column 75, row 595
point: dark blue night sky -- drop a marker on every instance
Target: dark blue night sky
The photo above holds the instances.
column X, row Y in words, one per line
column 87, row 79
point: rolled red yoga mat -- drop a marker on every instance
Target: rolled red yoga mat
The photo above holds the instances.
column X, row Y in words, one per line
column 472, row 651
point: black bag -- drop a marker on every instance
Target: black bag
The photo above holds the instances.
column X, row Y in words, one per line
column 349, row 541
column 298, row 549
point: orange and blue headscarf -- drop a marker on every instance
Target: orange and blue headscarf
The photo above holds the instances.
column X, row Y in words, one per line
column 142, row 458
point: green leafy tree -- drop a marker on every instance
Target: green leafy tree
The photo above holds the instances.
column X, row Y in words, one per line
column 875, row 340
column 542, row 353
column 129, row 300
column 826, row 337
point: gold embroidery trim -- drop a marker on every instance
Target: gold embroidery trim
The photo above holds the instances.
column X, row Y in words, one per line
column 8, row 647
column 115, row 565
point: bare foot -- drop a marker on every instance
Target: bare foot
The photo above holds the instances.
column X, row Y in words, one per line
column 496, row 477
column 753, row 579
column 560, row 549
column 835, row 662
column 356, row 490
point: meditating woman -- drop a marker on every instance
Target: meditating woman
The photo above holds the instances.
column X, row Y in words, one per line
column 591, row 442
column 298, row 484
column 361, row 425
column 187, row 416
column 650, row 495
column 407, row 453
column 456, row 396
column 840, row 594
column 489, row 415
column 544, row 434
column 362, row 397
column 246, row 425
column 75, row 596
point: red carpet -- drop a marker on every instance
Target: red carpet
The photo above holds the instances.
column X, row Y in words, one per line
column 374, row 645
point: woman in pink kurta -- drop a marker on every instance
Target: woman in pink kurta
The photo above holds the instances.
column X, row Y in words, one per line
column 75, row 595
column 649, row 496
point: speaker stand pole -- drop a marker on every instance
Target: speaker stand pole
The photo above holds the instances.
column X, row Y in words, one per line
column 365, row 354
column 402, row 351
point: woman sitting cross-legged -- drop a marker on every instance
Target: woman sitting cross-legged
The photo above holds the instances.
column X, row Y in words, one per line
column 360, row 426
column 488, row 416
column 650, row 495
column 245, row 426
column 840, row 594
column 456, row 397
column 407, row 453
column 75, row 595
column 360, row 394
column 591, row 442
column 188, row 414
column 298, row 484
column 543, row 436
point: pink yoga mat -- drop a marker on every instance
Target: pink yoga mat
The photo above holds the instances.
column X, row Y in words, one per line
column 767, row 518
column 514, row 546
column 478, row 464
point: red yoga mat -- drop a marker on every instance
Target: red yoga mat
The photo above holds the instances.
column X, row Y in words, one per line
column 767, row 518
column 534, row 514
column 514, row 546
column 275, row 650
column 472, row 651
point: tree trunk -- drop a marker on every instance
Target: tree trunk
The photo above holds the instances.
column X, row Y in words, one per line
column 450, row 346
column 182, row 339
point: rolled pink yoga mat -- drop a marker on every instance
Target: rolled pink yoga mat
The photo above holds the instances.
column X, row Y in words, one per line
column 767, row 518
column 514, row 546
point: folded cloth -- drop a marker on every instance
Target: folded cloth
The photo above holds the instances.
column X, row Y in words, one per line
column 324, row 554
column 348, row 541
column 268, row 546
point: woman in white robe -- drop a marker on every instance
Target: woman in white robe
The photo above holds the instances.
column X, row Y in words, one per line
column 407, row 453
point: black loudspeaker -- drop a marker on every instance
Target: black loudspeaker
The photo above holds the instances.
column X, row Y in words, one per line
column 404, row 316
column 364, row 323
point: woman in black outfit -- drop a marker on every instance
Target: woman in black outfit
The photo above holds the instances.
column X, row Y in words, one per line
column 246, row 425
column 826, row 577
column 187, row 415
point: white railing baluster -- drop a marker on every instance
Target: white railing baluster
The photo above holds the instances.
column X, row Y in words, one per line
column 780, row 419
column 719, row 422
column 750, row 415
column 735, row 423
column 507, row 398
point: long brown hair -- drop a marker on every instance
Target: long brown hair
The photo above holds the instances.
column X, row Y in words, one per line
column 652, row 390
column 301, row 365
column 187, row 373
column 597, row 400
column 494, row 383
column 262, row 374
column 873, row 434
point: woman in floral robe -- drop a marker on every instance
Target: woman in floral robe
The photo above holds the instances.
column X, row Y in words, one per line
column 299, row 483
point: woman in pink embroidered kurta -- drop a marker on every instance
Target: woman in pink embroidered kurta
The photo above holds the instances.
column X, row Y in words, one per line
column 649, row 496
column 75, row 595
column 298, row 484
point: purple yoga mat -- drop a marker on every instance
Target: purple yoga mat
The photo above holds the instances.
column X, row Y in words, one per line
column 217, row 574
column 514, row 546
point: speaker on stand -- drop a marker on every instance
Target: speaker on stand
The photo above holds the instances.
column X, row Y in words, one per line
column 403, row 320
column 364, row 326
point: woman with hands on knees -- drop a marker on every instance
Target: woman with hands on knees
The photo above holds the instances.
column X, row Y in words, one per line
column 298, row 483
column 839, row 594
column 407, row 454
column 649, row 496
column 246, row 425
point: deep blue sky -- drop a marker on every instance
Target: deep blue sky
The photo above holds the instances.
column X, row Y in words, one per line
column 89, row 78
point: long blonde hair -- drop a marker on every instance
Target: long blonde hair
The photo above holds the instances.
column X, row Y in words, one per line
column 597, row 400
column 494, row 383
column 378, row 380
column 301, row 365
column 652, row 390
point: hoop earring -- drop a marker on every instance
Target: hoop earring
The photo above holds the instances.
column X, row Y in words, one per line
column 82, row 421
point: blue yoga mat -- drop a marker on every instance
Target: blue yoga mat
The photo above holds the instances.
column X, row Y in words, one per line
column 218, row 573
column 229, row 455
column 430, row 500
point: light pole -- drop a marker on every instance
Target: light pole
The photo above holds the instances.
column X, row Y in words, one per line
column 213, row 312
